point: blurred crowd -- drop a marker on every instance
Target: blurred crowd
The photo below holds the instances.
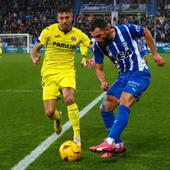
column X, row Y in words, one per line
column 31, row 16
column 28, row 16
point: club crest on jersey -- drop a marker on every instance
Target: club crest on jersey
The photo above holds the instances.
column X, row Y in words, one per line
column 73, row 38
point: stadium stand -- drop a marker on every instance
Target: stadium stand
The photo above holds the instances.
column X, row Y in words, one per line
column 156, row 19
column 22, row 16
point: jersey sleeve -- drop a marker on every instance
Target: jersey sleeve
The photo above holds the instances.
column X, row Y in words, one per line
column 136, row 30
column 85, row 39
column 43, row 38
column 98, row 55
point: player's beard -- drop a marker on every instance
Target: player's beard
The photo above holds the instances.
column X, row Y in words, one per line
column 107, row 39
column 105, row 42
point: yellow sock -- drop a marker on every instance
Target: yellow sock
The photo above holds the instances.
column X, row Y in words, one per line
column 74, row 117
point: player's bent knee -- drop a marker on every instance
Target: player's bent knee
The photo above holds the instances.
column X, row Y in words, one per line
column 69, row 100
column 106, row 107
column 50, row 112
column 127, row 99
column 110, row 103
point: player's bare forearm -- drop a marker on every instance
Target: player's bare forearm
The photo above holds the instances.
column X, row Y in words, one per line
column 35, row 53
column 99, row 72
column 150, row 41
column 101, row 77
column 156, row 56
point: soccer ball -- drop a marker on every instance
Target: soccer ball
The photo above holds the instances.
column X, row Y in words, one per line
column 70, row 151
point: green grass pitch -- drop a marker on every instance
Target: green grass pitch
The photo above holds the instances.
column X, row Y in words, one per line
column 23, row 125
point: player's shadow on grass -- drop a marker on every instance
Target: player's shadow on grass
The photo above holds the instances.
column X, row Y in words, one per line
column 114, row 159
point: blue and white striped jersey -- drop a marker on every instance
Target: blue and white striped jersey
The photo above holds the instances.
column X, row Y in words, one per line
column 123, row 49
column 142, row 47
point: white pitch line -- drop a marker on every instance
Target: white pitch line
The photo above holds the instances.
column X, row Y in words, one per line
column 27, row 160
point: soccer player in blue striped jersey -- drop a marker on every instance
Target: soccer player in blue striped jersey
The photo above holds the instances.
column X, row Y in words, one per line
column 119, row 44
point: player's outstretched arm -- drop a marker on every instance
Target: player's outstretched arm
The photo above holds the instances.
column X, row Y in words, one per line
column 35, row 53
column 101, row 77
column 156, row 56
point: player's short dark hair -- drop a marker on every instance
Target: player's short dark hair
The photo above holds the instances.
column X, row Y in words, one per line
column 98, row 22
column 64, row 8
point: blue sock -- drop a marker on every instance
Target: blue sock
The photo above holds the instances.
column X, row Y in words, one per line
column 120, row 122
column 118, row 139
column 108, row 118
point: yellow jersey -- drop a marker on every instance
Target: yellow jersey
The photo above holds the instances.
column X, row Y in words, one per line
column 60, row 48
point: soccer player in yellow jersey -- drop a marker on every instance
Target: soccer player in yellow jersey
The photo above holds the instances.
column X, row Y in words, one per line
column 58, row 72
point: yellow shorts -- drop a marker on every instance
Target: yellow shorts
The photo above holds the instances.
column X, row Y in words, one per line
column 53, row 84
column 0, row 50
